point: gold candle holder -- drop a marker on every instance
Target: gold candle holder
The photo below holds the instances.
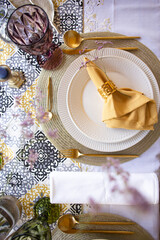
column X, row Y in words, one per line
column 15, row 78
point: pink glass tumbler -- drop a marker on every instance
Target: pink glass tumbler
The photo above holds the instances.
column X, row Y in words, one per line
column 29, row 28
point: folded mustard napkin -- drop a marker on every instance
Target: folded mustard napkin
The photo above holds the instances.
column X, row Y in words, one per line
column 124, row 107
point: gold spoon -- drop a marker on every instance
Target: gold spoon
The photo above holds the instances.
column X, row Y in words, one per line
column 67, row 222
column 73, row 39
column 48, row 115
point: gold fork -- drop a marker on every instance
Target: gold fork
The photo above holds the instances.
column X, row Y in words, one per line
column 75, row 153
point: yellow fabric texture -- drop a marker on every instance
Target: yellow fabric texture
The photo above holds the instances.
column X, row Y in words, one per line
column 124, row 108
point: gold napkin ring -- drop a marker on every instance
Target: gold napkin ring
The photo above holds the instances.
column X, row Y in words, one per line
column 107, row 88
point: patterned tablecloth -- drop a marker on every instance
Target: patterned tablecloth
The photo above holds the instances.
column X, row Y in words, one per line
column 18, row 178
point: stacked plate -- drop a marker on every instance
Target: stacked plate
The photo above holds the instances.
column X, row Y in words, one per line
column 80, row 105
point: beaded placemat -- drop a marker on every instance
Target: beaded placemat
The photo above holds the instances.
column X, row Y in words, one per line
column 65, row 140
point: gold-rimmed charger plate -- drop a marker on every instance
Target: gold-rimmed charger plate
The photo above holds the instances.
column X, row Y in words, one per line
column 78, row 102
column 65, row 140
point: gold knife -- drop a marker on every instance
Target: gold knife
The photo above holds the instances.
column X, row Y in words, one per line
column 81, row 51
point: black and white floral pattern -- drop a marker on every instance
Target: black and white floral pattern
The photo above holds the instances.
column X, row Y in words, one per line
column 16, row 179
column 69, row 16
column 48, row 156
column 6, row 101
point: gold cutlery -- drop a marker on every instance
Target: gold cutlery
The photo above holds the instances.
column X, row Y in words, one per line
column 48, row 114
column 74, row 153
column 77, row 51
column 67, row 222
column 73, row 39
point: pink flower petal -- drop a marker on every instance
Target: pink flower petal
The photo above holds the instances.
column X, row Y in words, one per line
column 53, row 133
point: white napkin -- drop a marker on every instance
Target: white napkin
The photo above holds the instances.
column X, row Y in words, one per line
column 79, row 187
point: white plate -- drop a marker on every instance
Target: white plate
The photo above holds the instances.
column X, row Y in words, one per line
column 62, row 101
column 85, row 103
